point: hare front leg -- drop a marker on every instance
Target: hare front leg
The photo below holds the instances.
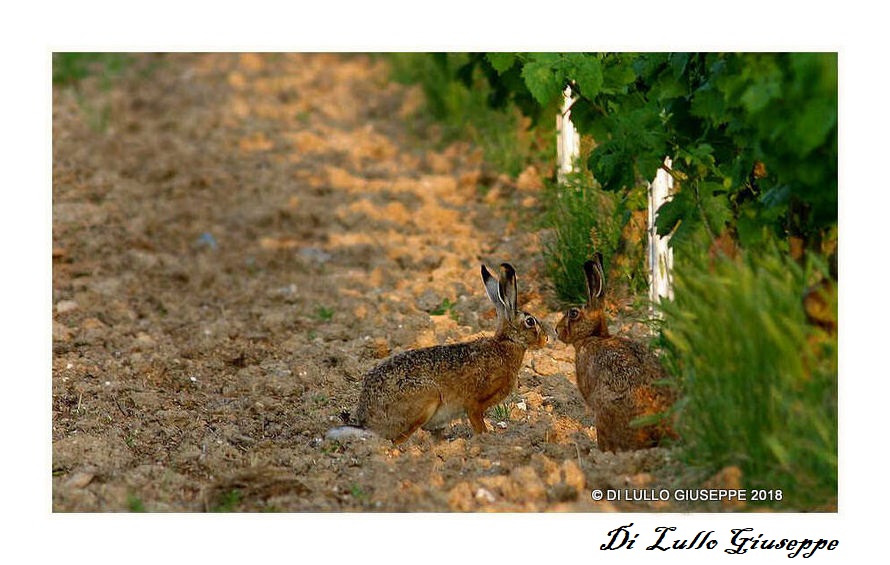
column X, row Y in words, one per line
column 477, row 420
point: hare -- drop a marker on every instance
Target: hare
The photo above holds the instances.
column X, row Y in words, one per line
column 618, row 378
column 429, row 387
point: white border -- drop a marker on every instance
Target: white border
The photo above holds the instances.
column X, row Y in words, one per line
column 38, row 28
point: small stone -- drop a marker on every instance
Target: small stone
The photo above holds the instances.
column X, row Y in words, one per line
column 79, row 479
column 315, row 254
column 93, row 324
column 63, row 306
column 484, row 495
column 145, row 341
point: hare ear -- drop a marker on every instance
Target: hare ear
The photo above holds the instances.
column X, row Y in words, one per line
column 508, row 288
column 492, row 289
column 593, row 271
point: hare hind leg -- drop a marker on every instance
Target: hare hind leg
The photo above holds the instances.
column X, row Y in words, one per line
column 427, row 411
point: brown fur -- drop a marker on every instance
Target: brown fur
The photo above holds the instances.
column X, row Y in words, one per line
column 617, row 377
column 429, row 387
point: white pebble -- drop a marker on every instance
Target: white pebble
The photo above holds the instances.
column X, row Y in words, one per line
column 485, row 495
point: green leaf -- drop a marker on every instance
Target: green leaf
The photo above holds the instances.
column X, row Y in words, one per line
column 708, row 103
column 618, row 73
column 541, row 81
column 501, row 61
column 587, row 72
column 648, row 164
column 709, row 188
column 672, row 211
column 814, row 122
column 678, row 63
column 686, row 231
column 613, row 169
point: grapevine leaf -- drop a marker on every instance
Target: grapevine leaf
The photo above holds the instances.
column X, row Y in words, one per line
column 618, row 74
column 501, row 61
column 686, row 230
column 541, row 81
column 648, row 164
column 678, row 63
column 587, row 72
column 708, row 103
column 612, row 169
column 672, row 211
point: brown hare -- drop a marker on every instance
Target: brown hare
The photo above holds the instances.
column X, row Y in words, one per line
column 429, row 387
column 618, row 378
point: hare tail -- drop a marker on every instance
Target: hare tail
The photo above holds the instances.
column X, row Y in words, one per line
column 348, row 432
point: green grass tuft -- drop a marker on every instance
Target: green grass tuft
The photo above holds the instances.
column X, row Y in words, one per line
column 71, row 68
column 135, row 504
column 759, row 382
column 580, row 219
column 324, row 313
column 228, row 501
column 501, row 412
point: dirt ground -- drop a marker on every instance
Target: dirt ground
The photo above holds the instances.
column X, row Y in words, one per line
column 236, row 240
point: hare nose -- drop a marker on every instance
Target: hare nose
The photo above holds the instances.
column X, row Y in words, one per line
column 548, row 332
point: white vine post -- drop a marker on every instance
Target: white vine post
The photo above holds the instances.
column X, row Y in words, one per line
column 661, row 256
column 568, row 142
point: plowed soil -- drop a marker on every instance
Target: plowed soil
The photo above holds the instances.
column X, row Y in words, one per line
column 236, row 240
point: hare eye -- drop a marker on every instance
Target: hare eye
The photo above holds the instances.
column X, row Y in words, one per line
column 574, row 313
column 530, row 322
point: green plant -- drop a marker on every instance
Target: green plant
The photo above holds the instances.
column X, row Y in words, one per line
column 357, row 491
column 501, row 412
column 324, row 313
column 332, row 447
column 134, row 503
column 71, row 68
column 446, row 307
column 228, row 500
column 320, row 399
column 759, row 383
